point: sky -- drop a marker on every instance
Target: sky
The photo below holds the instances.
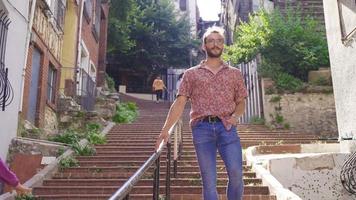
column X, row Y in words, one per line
column 209, row 9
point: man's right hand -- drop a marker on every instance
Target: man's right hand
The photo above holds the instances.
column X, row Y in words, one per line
column 162, row 137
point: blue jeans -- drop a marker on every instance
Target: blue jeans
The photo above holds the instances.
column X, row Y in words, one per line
column 207, row 139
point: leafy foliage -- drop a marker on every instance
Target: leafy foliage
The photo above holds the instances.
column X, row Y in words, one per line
column 68, row 162
column 68, row 137
column 125, row 112
column 289, row 45
column 147, row 35
column 26, row 197
column 111, row 83
column 288, row 82
column 86, row 150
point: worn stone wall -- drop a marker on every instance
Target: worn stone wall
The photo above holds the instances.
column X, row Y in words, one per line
column 33, row 147
column 311, row 177
column 305, row 112
column 50, row 121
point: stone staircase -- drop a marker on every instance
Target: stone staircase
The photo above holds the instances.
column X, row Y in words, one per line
column 129, row 146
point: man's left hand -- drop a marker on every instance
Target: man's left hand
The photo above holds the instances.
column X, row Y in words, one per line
column 233, row 120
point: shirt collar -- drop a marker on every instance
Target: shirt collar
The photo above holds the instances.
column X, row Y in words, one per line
column 202, row 63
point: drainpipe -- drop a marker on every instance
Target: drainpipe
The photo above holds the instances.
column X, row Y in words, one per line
column 79, row 46
column 27, row 44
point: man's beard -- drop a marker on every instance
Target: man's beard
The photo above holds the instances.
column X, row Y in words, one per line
column 211, row 54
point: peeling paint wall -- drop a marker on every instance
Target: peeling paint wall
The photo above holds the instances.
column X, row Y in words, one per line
column 312, row 177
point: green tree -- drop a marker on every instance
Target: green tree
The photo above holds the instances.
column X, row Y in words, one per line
column 289, row 44
column 120, row 15
column 145, row 35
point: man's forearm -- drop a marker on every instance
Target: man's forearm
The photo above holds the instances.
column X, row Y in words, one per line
column 175, row 112
column 240, row 109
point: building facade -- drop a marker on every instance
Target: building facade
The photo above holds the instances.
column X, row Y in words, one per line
column 43, row 67
column 14, row 22
column 190, row 8
column 70, row 48
column 91, row 47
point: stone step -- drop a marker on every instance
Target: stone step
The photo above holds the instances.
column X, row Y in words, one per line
column 42, row 190
column 99, row 175
column 146, row 197
column 142, row 182
column 190, row 139
column 126, row 158
column 139, row 163
column 125, row 169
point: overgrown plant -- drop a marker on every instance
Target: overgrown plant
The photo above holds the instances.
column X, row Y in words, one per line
column 26, row 197
column 68, row 162
column 111, row 82
column 68, row 137
column 257, row 120
column 290, row 45
column 125, row 112
column 92, row 134
column 277, row 117
column 86, row 150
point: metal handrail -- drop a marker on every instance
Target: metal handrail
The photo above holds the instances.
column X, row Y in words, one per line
column 123, row 191
column 348, row 174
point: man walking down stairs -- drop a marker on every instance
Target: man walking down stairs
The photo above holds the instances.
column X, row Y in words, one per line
column 130, row 145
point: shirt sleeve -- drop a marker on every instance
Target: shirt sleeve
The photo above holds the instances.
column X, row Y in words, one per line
column 185, row 86
column 240, row 90
column 7, row 176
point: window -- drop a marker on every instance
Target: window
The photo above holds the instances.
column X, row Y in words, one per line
column 183, row 5
column 51, row 84
column 96, row 19
column 88, row 9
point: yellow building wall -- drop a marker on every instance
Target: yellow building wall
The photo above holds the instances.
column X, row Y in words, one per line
column 70, row 37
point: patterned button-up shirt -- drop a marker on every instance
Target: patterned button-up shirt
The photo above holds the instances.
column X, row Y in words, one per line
column 213, row 94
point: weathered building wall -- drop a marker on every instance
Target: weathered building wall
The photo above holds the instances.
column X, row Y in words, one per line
column 17, row 12
column 305, row 112
column 342, row 62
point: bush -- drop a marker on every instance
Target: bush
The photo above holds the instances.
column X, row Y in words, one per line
column 68, row 137
column 68, row 162
column 125, row 112
column 93, row 127
column 287, row 43
column 286, row 82
column 26, row 197
column 87, row 150
column 95, row 138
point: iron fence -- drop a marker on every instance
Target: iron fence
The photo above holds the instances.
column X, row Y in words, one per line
column 87, row 92
column 254, row 100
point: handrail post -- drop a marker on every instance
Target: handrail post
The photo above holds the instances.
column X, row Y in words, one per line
column 156, row 180
column 175, row 150
column 180, row 131
column 168, row 172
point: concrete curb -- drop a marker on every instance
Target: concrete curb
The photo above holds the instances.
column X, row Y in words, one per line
column 52, row 168
column 275, row 187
